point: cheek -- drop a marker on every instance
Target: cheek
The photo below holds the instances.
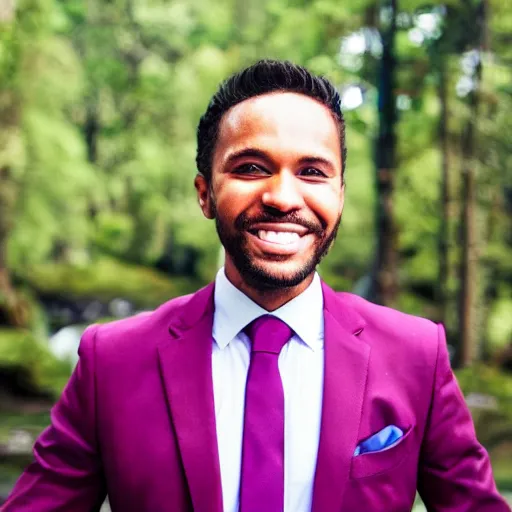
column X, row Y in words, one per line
column 231, row 200
column 326, row 204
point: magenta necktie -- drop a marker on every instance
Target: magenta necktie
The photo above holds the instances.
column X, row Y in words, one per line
column 262, row 477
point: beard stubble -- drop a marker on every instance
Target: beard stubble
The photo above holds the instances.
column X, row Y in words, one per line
column 258, row 277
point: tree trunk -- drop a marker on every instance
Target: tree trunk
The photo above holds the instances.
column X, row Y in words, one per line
column 469, row 260
column 490, row 274
column 13, row 310
column 7, row 11
column 384, row 287
column 443, row 292
column 468, row 269
column 9, row 119
column 469, row 265
column 92, row 128
column 492, row 211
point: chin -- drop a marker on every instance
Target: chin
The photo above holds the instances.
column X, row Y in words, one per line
column 274, row 275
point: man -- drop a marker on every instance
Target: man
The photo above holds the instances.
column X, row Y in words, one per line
column 265, row 391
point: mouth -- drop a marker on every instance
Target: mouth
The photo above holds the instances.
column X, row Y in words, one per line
column 279, row 239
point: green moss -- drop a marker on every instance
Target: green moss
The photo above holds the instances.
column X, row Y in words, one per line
column 33, row 423
column 107, row 279
column 487, row 380
column 493, row 425
column 502, row 466
column 21, row 349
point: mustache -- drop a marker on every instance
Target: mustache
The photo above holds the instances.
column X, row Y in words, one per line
column 245, row 223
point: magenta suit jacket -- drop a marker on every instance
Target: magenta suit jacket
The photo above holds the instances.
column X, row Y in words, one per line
column 137, row 418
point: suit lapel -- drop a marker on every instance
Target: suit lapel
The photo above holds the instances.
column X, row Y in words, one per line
column 346, row 367
column 185, row 361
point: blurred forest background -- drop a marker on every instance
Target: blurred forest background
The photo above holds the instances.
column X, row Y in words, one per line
column 99, row 103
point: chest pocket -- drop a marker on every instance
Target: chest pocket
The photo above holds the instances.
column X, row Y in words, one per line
column 373, row 463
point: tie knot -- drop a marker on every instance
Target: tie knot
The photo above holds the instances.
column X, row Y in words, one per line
column 268, row 334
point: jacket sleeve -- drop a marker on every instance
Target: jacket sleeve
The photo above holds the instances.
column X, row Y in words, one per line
column 66, row 473
column 455, row 473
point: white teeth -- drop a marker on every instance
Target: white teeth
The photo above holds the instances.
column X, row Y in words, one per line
column 278, row 237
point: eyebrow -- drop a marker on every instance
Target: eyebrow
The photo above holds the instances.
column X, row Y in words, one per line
column 248, row 152
column 316, row 160
column 257, row 153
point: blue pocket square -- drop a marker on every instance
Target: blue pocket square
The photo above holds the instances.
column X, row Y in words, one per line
column 380, row 441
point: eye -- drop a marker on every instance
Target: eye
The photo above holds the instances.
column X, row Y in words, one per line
column 250, row 170
column 312, row 172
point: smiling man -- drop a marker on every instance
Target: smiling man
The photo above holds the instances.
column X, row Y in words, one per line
column 266, row 391
column 274, row 186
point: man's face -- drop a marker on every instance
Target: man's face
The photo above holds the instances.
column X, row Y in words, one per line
column 276, row 188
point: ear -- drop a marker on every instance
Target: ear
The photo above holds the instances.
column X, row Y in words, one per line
column 204, row 196
column 342, row 198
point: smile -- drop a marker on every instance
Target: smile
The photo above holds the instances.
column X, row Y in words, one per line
column 278, row 237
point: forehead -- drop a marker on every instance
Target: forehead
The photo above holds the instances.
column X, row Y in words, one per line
column 284, row 123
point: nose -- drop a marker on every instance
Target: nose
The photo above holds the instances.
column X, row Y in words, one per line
column 283, row 193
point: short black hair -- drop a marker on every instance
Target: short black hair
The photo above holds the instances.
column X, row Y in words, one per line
column 263, row 77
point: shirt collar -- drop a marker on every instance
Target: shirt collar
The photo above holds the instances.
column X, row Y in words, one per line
column 234, row 310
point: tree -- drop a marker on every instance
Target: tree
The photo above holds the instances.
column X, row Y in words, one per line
column 385, row 281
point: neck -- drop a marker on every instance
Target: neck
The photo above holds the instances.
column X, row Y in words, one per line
column 269, row 299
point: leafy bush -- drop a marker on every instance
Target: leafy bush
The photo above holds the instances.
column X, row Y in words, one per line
column 106, row 279
column 20, row 349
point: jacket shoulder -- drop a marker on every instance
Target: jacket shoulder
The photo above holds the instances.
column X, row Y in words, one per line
column 393, row 325
column 371, row 310
column 137, row 331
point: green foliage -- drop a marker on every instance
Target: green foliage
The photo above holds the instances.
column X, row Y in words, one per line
column 32, row 423
column 100, row 104
column 500, row 324
column 489, row 381
column 22, row 350
column 350, row 257
column 106, row 279
column 113, row 233
column 493, row 424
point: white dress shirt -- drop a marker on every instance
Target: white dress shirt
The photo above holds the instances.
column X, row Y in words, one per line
column 301, row 365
